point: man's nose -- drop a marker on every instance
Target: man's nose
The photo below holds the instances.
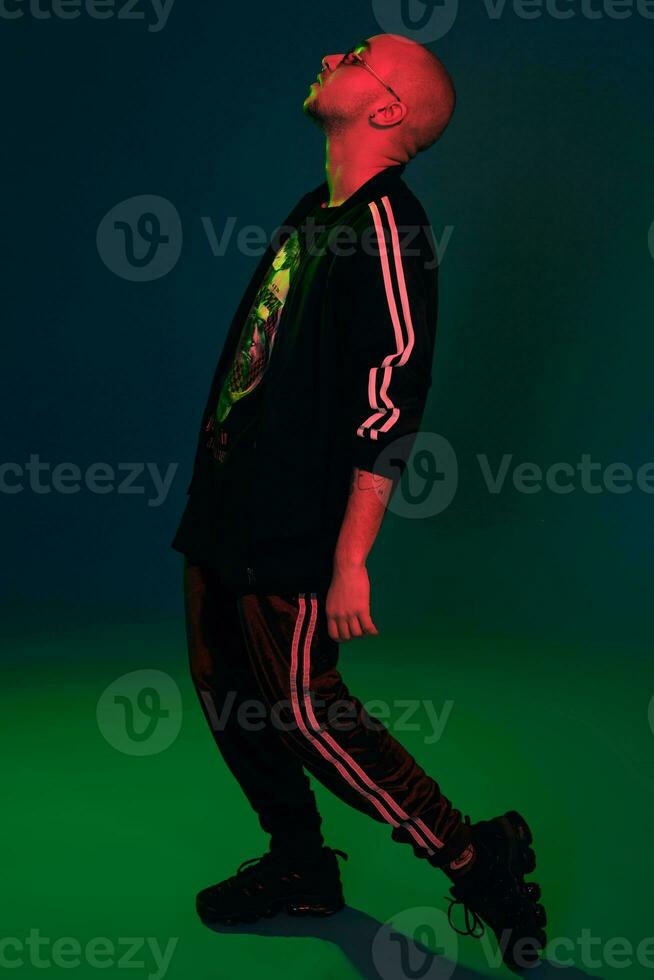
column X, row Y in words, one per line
column 331, row 60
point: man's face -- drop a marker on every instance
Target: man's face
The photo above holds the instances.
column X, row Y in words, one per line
column 344, row 92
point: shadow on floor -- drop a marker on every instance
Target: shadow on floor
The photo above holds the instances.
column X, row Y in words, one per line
column 379, row 951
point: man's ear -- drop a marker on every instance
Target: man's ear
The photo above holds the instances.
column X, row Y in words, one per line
column 389, row 115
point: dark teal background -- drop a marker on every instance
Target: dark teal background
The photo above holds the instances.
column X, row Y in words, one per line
column 544, row 347
column 532, row 611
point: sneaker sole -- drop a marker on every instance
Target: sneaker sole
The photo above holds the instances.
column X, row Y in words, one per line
column 517, row 831
column 522, row 862
column 296, row 907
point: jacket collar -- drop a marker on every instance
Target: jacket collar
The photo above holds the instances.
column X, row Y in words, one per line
column 375, row 187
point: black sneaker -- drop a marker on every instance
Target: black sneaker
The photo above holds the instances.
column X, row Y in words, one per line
column 271, row 884
column 492, row 890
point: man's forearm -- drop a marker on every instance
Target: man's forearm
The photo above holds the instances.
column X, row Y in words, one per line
column 369, row 495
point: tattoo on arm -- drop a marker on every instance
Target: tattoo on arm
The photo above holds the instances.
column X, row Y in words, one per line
column 372, row 482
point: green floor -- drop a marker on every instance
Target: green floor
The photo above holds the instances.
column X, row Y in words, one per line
column 108, row 845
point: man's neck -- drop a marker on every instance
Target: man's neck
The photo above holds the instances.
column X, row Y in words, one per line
column 349, row 167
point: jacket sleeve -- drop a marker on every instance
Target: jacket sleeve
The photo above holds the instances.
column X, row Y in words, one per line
column 388, row 306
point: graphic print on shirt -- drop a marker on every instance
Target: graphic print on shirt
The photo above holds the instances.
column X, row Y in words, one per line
column 258, row 334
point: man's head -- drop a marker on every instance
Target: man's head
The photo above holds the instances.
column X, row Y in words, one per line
column 388, row 90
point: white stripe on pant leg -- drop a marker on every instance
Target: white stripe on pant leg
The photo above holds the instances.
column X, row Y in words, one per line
column 338, row 750
column 305, row 731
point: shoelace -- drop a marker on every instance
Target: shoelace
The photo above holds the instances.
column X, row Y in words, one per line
column 247, row 871
column 474, row 926
column 267, row 858
column 247, row 864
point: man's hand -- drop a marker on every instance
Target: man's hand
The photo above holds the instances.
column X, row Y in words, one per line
column 348, row 604
column 348, row 598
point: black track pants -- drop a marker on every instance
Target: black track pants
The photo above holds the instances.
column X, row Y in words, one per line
column 265, row 671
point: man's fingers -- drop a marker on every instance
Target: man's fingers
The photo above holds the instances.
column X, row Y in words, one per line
column 355, row 626
column 344, row 628
column 338, row 628
column 367, row 625
column 332, row 629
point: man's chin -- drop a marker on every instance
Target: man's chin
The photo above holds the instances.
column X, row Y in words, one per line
column 310, row 105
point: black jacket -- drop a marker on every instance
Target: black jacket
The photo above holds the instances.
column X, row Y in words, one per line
column 345, row 387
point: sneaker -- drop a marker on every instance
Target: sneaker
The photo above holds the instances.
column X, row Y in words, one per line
column 491, row 889
column 264, row 886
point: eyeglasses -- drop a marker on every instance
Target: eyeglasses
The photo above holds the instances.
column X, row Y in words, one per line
column 352, row 58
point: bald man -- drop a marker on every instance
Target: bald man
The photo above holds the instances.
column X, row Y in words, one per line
column 314, row 406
